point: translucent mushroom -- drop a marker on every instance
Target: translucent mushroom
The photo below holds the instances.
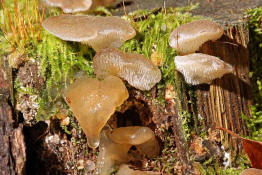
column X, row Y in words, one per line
column 70, row 6
column 97, row 31
column 110, row 154
column 200, row 68
column 189, row 37
column 93, row 102
column 125, row 170
column 142, row 137
column 136, row 69
column 251, row 171
column 114, row 146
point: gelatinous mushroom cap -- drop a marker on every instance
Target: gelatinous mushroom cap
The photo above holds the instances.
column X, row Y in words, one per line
column 200, row 68
column 134, row 135
column 142, row 137
column 70, row 6
column 97, row 31
column 125, row 170
column 136, row 69
column 189, row 37
column 251, row 171
column 111, row 152
column 93, row 102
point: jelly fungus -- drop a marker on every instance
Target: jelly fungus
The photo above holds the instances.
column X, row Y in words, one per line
column 200, row 68
column 70, row 6
column 189, row 37
column 93, row 102
column 110, row 153
column 125, row 170
column 114, row 146
column 136, row 69
column 142, row 137
column 251, row 171
column 97, row 31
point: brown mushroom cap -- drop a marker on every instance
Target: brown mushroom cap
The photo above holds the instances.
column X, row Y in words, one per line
column 93, row 102
column 200, row 68
column 98, row 32
column 134, row 68
column 251, row 171
column 70, row 6
column 189, row 37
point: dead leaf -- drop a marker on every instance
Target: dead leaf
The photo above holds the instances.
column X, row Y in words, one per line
column 251, row 147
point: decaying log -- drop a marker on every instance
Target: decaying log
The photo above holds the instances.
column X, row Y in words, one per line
column 222, row 103
column 12, row 145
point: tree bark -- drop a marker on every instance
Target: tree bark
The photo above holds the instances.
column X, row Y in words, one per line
column 224, row 102
column 12, row 145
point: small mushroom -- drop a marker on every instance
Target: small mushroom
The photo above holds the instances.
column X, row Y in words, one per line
column 200, row 68
column 251, row 171
column 136, row 69
column 114, row 146
column 125, row 170
column 93, row 102
column 70, row 6
column 110, row 153
column 97, row 31
column 189, row 37
column 142, row 137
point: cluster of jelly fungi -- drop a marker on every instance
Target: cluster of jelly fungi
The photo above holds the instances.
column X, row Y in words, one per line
column 94, row 100
column 195, row 67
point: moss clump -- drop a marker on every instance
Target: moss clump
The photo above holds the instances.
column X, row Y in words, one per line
column 60, row 61
column 254, row 124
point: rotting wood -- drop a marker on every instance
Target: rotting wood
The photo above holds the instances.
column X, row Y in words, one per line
column 226, row 99
column 12, row 145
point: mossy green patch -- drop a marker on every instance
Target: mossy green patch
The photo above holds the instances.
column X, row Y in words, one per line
column 254, row 124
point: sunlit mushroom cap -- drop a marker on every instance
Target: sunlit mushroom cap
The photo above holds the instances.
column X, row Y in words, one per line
column 200, row 68
column 93, row 102
column 189, row 37
column 136, row 69
column 97, row 31
column 251, row 171
column 70, row 6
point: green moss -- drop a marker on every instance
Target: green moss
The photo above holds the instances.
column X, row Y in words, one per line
column 254, row 124
column 213, row 167
column 59, row 61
